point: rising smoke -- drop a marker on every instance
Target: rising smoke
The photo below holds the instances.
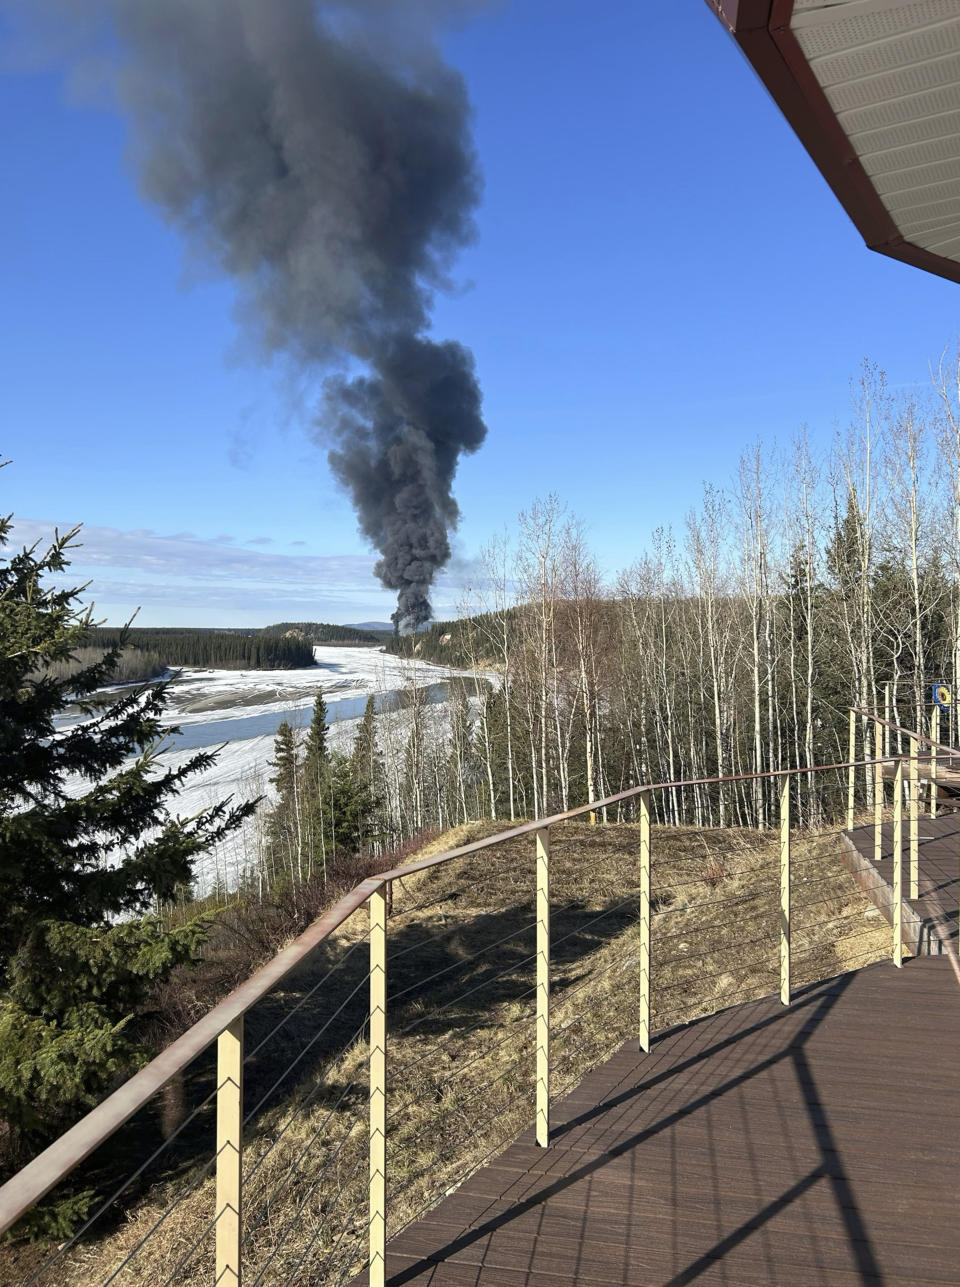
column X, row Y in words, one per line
column 320, row 155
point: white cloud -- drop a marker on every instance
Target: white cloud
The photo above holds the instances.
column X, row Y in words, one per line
column 184, row 554
column 184, row 579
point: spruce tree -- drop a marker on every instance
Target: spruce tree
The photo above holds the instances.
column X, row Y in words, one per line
column 316, row 756
column 87, row 845
column 283, row 821
column 284, row 764
column 364, row 755
column 366, row 768
column 348, row 806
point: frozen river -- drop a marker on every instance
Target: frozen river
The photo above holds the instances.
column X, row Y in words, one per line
column 340, row 710
column 241, row 711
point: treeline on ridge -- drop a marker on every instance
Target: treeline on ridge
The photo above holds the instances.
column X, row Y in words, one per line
column 814, row 582
column 467, row 642
column 323, row 632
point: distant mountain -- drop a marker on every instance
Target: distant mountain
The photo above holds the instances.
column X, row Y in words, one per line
column 381, row 627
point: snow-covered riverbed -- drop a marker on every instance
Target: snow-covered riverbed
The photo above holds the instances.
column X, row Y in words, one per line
column 241, row 711
column 205, row 696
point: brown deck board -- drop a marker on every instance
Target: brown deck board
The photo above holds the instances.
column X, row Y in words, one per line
column 938, row 852
column 761, row 1146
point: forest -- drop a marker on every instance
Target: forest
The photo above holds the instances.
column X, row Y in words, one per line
column 220, row 649
column 815, row 581
column 735, row 645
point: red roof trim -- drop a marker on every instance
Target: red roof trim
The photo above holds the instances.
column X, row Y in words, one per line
column 762, row 30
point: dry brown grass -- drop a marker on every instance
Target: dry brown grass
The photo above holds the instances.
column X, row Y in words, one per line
column 461, row 1029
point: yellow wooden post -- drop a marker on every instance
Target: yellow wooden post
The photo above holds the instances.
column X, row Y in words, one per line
column 877, row 792
column 229, row 1154
column 851, row 771
column 935, row 738
column 785, row 890
column 543, row 987
column 378, row 1088
column 914, row 819
column 898, row 865
column 644, row 921
column 888, row 716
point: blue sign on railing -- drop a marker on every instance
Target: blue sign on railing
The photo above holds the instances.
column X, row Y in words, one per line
column 941, row 695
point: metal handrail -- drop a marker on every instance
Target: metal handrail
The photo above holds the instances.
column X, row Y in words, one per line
column 48, row 1168
column 907, row 732
column 223, row 1022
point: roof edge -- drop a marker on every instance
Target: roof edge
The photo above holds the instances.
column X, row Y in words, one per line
column 762, row 30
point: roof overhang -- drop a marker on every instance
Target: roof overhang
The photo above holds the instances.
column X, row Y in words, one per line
column 872, row 90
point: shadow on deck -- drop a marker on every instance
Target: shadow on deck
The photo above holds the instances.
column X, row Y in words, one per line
column 760, row 1146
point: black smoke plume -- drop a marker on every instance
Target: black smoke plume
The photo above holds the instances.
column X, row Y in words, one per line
column 402, row 432
column 319, row 154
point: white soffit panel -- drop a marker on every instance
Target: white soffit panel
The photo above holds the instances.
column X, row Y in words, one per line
column 891, row 72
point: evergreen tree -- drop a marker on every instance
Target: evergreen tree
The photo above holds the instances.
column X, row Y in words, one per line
column 366, row 767
column 232, row 649
column 365, row 756
column 316, row 758
column 284, row 764
column 283, row 821
column 347, row 808
column 87, row 845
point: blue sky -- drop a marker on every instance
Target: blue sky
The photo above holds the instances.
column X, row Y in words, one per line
column 661, row 277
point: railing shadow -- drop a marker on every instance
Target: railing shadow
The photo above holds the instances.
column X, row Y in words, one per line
column 328, row 994
column 808, row 1012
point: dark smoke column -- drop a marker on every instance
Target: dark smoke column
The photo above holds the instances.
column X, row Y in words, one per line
column 319, row 154
column 402, row 432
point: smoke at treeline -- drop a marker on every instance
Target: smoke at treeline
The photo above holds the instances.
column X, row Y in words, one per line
column 320, row 155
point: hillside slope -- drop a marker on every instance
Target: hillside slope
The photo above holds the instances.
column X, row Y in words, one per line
column 461, row 970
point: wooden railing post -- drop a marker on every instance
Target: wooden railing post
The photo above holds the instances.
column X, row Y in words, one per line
column 229, row 1223
column 877, row 792
column 888, row 716
column 785, row 890
column 644, row 910
column 898, row 865
column 851, row 771
column 935, row 738
column 543, row 987
column 378, row 1088
column 914, row 819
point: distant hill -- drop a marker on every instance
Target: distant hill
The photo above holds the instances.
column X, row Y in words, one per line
column 321, row 632
column 464, row 642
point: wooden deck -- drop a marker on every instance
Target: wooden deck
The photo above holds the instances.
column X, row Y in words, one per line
column 930, row 922
column 948, row 773
column 762, row 1146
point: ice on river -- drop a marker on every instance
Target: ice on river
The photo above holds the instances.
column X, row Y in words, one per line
column 204, row 696
column 240, row 711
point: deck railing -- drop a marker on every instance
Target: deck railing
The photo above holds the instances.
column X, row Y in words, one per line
column 921, row 770
column 539, row 936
